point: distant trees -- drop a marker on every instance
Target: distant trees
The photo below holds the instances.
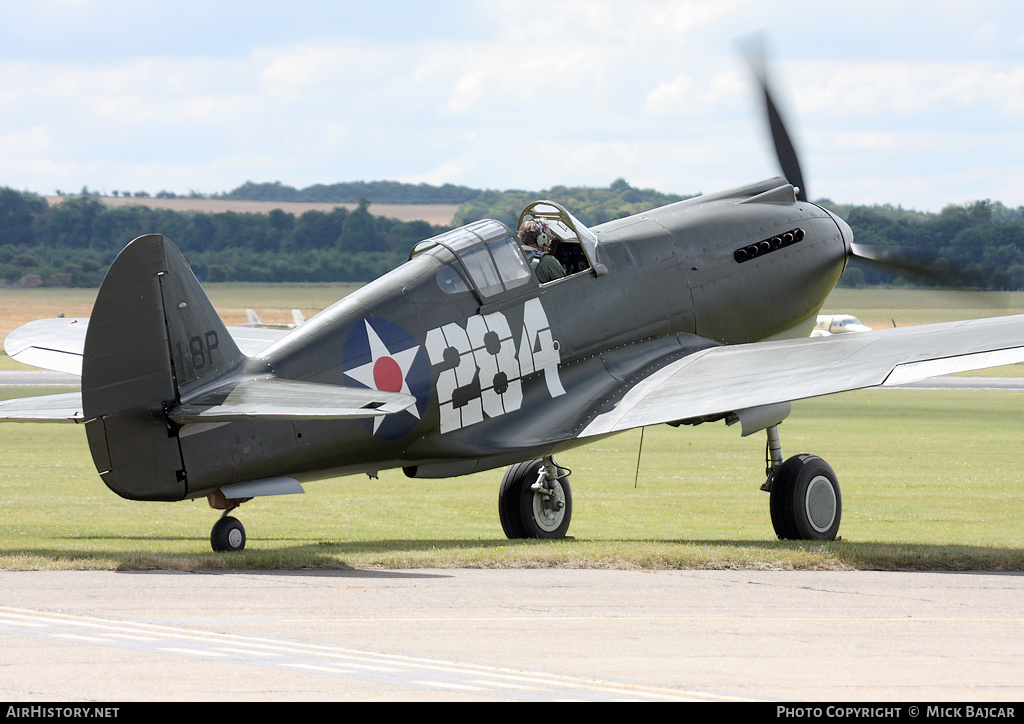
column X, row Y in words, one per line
column 984, row 241
column 74, row 241
column 17, row 213
column 592, row 206
column 377, row 192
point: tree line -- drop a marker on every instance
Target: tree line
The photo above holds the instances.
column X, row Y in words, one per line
column 377, row 192
column 349, row 192
column 592, row 206
column 980, row 244
column 73, row 242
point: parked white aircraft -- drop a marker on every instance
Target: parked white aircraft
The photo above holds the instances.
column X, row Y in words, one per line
column 836, row 324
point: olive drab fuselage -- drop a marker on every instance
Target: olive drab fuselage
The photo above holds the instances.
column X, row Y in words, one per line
column 505, row 369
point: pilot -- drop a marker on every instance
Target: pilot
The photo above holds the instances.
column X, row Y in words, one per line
column 535, row 236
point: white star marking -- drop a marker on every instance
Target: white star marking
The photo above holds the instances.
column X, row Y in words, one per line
column 365, row 373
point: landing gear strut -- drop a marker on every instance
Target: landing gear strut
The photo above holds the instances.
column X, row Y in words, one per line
column 805, row 501
column 535, row 500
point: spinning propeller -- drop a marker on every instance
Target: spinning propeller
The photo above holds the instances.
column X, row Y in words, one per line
column 893, row 259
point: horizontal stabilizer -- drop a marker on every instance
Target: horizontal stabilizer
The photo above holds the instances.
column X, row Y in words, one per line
column 58, row 344
column 66, row 407
column 271, row 398
column 259, row 398
column 52, row 344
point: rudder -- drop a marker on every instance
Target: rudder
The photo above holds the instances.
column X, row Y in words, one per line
column 153, row 334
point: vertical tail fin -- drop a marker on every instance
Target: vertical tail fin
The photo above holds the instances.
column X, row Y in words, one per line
column 153, row 335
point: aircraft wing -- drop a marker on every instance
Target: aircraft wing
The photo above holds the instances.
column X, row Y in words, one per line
column 58, row 344
column 724, row 379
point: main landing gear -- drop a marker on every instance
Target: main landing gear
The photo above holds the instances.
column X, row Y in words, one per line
column 535, row 500
column 805, row 501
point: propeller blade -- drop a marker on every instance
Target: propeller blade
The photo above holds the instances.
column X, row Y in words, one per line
column 915, row 263
column 784, row 149
column 922, row 266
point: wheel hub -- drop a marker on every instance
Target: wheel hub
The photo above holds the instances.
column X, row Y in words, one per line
column 548, row 507
column 820, row 503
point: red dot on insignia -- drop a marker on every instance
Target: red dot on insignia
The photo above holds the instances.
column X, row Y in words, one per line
column 387, row 375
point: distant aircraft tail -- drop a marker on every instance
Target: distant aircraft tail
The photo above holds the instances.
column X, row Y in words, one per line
column 153, row 336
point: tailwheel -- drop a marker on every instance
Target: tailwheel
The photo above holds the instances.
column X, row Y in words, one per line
column 805, row 500
column 227, row 535
column 535, row 500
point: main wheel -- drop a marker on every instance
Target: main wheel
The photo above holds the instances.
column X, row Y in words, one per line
column 805, row 500
column 526, row 513
column 227, row 535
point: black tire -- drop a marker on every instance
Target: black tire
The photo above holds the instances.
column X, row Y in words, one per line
column 525, row 514
column 228, row 535
column 805, row 500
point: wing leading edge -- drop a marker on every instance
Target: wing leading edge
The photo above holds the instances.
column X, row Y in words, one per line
column 730, row 378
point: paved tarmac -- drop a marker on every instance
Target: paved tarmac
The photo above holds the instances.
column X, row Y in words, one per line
column 537, row 634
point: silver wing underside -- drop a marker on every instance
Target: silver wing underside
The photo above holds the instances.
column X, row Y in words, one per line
column 727, row 379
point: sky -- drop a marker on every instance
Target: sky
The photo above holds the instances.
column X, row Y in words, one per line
column 915, row 104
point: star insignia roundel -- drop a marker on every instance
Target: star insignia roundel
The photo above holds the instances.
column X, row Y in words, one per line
column 382, row 355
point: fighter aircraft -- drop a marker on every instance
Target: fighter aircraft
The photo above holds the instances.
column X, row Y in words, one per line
column 461, row 360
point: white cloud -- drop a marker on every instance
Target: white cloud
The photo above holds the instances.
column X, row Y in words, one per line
column 528, row 94
column 986, row 33
column 670, row 96
column 905, row 88
column 466, row 94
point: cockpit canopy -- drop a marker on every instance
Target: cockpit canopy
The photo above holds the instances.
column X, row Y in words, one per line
column 487, row 259
column 486, row 256
column 575, row 245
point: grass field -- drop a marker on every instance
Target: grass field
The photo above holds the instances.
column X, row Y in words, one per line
column 931, row 480
column 274, row 302
column 886, row 307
